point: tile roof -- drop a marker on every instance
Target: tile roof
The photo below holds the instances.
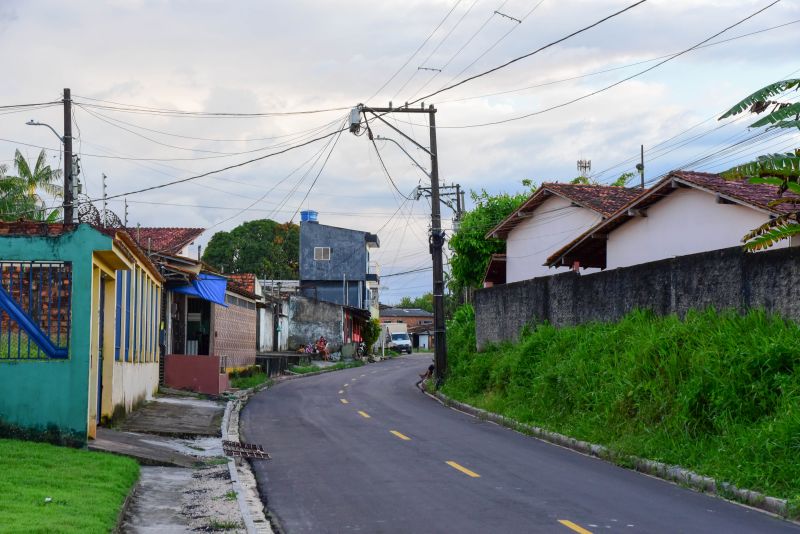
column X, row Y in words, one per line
column 405, row 312
column 164, row 239
column 592, row 252
column 602, row 199
column 246, row 281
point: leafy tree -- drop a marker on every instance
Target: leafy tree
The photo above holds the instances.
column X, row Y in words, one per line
column 371, row 332
column 782, row 170
column 264, row 247
column 19, row 195
column 471, row 250
column 425, row 302
column 622, row 181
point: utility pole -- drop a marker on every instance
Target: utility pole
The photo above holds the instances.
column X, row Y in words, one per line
column 436, row 239
column 105, row 203
column 640, row 166
column 125, row 216
column 68, row 193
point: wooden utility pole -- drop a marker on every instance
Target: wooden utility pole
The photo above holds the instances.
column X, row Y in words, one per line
column 68, row 196
column 436, row 239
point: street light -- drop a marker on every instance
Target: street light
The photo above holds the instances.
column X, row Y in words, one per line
column 37, row 123
column 69, row 163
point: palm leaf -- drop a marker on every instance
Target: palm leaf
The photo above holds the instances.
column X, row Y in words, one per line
column 772, row 236
column 780, row 220
column 783, row 200
column 762, row 95
column 779, row 116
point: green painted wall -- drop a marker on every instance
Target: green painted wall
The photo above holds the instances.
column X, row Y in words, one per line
column 39, row 393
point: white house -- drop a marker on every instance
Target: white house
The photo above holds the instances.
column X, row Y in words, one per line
column 553, row 216
column 685, row 213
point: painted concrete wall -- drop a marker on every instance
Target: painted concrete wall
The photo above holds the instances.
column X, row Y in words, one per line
column 553, row 225
column 357, row 295
column 348, row 253
column 686, row 222
column 39, row 393
column 309, row 319
column 133, row 383
column 195, row 373
column 722, row 279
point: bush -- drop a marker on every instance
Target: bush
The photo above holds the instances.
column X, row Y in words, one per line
column 697, row 392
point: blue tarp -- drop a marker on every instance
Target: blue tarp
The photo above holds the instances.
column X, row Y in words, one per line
column 207, row 286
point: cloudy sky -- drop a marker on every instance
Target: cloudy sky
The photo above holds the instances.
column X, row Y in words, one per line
column 261, row 57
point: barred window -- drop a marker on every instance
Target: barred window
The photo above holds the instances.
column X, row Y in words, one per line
column 322, row 253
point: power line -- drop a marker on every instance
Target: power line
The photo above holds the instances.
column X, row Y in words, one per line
column 17, row 106
column 133, row 108
column 598, row 91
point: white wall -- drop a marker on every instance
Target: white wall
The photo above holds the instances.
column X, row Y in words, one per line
column 133, row 383
column 686, row 222
column 537, row 237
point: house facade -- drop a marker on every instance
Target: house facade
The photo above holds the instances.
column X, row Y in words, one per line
column 335, row 264
column 685, row 213
column 553, row 216
column 79, row 317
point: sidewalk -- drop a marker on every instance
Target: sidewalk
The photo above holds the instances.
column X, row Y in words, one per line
column 185, row 484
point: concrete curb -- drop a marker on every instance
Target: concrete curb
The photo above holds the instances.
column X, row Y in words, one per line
column 247, row 507
column 660, row 470
column 123, row 511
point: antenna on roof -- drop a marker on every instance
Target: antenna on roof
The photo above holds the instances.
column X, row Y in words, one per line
column 584, row 166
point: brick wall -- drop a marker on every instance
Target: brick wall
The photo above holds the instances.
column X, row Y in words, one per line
column 409, row 321
column 235, row 335
column 721, row 279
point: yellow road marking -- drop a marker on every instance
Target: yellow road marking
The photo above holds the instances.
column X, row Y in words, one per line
column 344, row 401
column 463, row 469
column 363, row 375
column 577, row 528
column 399, row 435
column 363, row 414
column 341, row 391
column 346, row 385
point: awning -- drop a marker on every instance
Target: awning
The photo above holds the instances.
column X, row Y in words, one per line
column 209, row 287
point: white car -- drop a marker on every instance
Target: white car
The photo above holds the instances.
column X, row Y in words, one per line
column 400, row 342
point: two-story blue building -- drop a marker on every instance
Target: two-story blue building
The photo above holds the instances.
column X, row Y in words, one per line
column 335, row 264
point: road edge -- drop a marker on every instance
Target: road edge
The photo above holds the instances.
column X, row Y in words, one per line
column 669, row 473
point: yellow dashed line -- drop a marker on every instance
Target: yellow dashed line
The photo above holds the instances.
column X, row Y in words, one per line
column 577, row 528
column 365, row 415
column 344, row 401
column 346, row 385
column 463, row 469
column 341, row 391
column 363, row 376
column 399, row 435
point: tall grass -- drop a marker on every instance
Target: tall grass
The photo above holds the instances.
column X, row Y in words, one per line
column 715, row 392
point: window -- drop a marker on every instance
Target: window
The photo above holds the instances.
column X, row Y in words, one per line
column 322, row 253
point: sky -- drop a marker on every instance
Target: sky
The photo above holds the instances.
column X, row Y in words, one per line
column 257, row 57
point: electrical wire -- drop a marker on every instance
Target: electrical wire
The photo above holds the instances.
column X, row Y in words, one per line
column 133, row 108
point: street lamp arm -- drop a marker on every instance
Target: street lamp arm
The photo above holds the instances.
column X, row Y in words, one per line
column 379, row 138
column 35, row 123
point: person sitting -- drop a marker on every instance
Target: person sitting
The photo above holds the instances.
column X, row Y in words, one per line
column 322, row 348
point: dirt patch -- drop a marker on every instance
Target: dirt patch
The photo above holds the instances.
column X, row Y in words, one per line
column 209, row 503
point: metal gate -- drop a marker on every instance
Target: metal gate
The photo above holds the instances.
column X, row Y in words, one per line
column 35, row 299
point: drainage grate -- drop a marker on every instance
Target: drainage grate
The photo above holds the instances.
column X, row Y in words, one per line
column 244, row 450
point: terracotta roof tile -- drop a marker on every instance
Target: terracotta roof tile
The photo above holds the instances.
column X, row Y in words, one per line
column 758, row 195
column 164, row 239
column 246, row 281
column 602, row 199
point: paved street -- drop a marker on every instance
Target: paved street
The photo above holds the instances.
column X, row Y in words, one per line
column 363, row 450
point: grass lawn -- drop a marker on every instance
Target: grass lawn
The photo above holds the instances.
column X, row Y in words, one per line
column 249, row 380
column 87, row 489
column 304, row 369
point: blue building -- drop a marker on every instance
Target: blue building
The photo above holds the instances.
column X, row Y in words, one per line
column 335, row 264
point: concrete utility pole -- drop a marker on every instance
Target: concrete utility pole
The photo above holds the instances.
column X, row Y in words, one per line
column 68, row 193
column 436, row 239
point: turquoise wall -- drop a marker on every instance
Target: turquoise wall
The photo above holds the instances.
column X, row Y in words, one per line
column 39, row 393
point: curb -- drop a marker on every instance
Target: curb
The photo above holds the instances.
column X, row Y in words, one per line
column 670, row 473
column 123, row 511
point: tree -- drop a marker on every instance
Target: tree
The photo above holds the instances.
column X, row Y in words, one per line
column 782, row 170
column 471, row 250
column 19, row 195
column 622, row 181
column 425, row 302
column 263, row 247
column 371, row 332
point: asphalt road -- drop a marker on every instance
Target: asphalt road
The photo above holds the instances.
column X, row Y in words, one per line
column 363, row 450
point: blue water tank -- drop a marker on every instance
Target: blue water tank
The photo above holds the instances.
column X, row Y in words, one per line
column 308, row 216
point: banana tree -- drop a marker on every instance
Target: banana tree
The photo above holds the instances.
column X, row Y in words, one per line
column 781, row 170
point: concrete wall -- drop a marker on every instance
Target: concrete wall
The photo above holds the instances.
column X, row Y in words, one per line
column 554, row 224
column 267, row 330
column 309, row 319
column 42, row 392
column 348, row 253
column 722, row 279
column 688, row 221
column 195, row 373
column 357, row 296
column 133, row 383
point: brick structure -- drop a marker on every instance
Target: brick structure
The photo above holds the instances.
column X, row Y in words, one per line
column 235, row 330
column 412, row 317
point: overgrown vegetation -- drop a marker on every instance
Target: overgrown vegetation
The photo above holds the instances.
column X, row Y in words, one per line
column 49, row 434
column 247, row 378
column 54, row 489
column 305, row 369
column 718, row 393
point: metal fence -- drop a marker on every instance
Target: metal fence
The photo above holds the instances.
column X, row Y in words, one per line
column 35, row 300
